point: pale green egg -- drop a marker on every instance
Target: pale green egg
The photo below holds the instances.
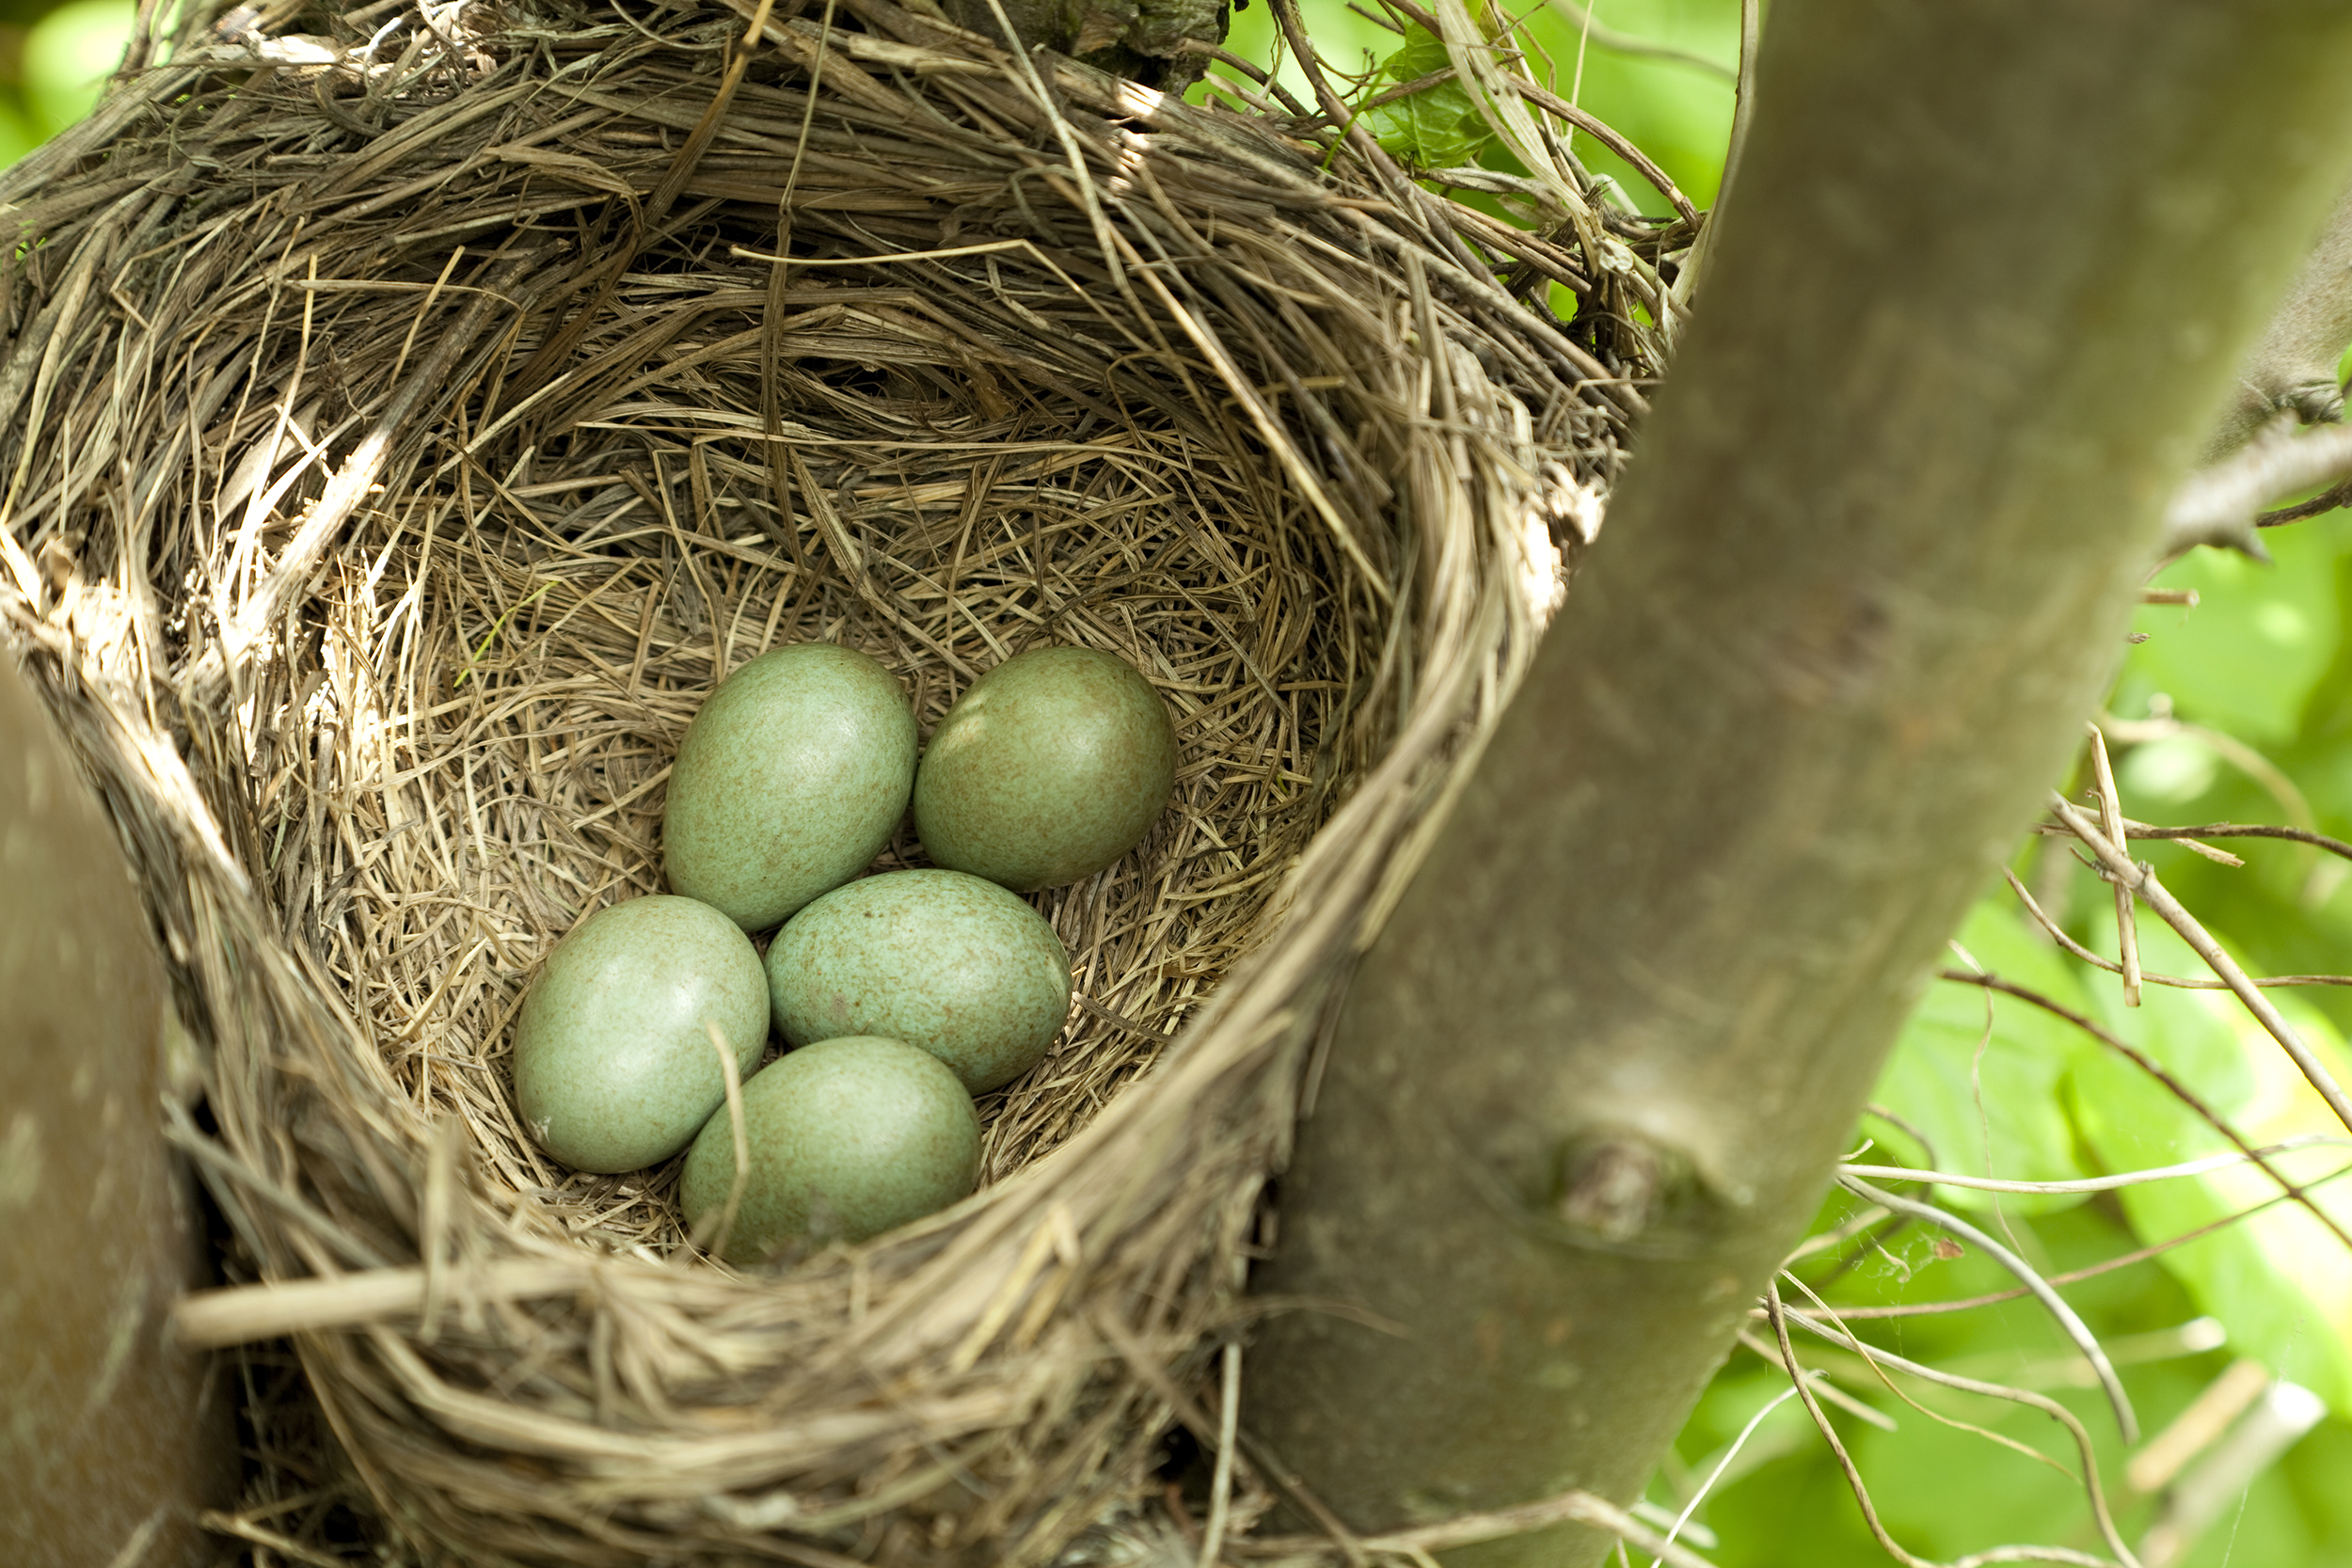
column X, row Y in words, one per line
column 942, row 959
column 1054, row 765
column 788, row 783
column 845, row 1139
column 614, row 1067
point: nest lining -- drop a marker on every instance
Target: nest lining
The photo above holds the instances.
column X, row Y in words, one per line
column 400, row 454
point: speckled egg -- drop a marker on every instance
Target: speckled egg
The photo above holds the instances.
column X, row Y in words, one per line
column 942, row 959
column 1054, row 765
column 615, row 1069
column 788, row 783
column 847, row 1138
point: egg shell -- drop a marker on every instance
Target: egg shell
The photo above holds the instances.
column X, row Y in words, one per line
column 1054, row 765
column 615, row 1069
column 847, row 1138
column 941, row 959
column 788, row 783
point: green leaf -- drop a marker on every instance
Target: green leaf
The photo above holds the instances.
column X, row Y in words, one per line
column 1425, row 53
column 1434, row 128
column 2229, row 1273
column 2194, row 1034
column 1978, row 1072
column 1917, row 1474
column 1437, row 127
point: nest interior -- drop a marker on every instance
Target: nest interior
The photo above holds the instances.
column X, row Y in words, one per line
column 399, row 447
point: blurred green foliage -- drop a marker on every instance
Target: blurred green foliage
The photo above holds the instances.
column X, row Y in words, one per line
column 52, row 62
column 2243, row 708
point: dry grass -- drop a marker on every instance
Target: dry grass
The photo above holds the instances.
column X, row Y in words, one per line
column 395, row 455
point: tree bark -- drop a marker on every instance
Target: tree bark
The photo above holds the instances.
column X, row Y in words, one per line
column 2293, row 363
column 115, row 1437
column 1989, row 274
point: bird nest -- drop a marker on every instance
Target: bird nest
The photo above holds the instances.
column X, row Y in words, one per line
column 403, row 432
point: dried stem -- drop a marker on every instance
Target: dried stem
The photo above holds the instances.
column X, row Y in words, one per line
column 2141, row 880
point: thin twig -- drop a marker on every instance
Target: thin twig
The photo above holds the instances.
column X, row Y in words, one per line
column 2112, row 816
column 1877, row 1359
column 1780, row 1316
column 2326, row 501
column 2092, row 1271
column 2217, row 505
column 1731, row 1453
column 2095, row 1183
column 1569, row 1508
column 2230, row 748
column 1601, row 132
column 2141, row 880
column 2180, row 982
column 2069, row 1321
column 2232, row 830
column 2172, row 1085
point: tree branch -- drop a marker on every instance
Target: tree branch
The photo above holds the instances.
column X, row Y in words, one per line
column 2293, row 366
column 2217, row 504
column 2141, row 880
column 1860, row 590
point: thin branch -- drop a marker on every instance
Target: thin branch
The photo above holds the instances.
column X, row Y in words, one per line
column 1255, row 72
column 1601, row 132
column 2111, row 818
column 2141, row 830
column 2023, row 1450
column 2327, row 500
column 1731, row 1453
column 1887, row 1543
column 2228, row 830
column 1876, row 1359
column 2180, row 982
column 2072, row 1276
column 2179, row 1091
column 1569, row 1508
column 2095, row 1183
column 1827, row 1390
column 2068, row 1320
column 2143, row 880
column 2216, row 505
column 2230, row 749
column 1828, row 1434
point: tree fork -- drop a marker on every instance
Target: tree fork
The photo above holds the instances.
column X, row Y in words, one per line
column 1979, row 300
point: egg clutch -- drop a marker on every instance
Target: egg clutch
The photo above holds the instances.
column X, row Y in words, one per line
column 899, row 996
